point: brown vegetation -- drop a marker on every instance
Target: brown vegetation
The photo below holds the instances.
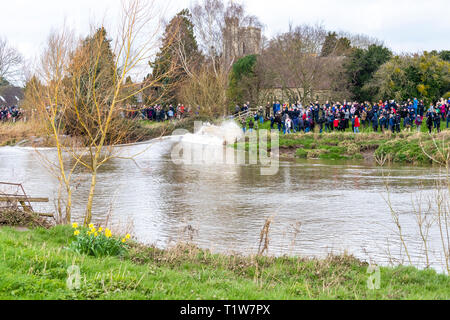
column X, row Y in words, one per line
column 13, row 133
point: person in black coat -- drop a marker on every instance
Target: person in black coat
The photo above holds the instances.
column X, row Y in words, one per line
column 278, row 121
column 437, row 122
column 251, row 125
column 430, row 121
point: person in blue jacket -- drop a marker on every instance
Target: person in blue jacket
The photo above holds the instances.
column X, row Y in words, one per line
column 392, row 123
column 383, row 122
column 375, row 122
column 416, row 105
column 398, row 121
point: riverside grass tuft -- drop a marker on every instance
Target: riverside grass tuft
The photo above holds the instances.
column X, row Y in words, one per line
column 34, row 265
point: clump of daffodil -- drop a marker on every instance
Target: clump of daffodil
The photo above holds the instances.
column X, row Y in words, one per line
column 98, row 242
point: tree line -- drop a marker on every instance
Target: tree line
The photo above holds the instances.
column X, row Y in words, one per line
column 301, row 62
column 190, row 67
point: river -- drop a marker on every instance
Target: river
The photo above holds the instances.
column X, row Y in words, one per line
column 335, row 207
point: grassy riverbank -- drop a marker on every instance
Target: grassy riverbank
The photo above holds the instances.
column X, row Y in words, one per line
column 402, row 148
column 33, row 265
column 14, row 133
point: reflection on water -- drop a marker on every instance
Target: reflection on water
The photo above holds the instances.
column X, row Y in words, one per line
column 341, row 207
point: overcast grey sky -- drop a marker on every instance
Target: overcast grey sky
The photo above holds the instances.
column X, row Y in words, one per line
column 404, row 25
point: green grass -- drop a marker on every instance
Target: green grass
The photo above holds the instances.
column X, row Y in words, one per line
column 33, row 265
column 401, row 148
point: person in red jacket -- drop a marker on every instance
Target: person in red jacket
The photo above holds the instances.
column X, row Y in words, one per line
column 357, row 124
column 336, row 123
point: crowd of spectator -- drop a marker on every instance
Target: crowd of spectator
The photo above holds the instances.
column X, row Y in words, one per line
column 12, row 114
column 336, row 116
column 158, row 113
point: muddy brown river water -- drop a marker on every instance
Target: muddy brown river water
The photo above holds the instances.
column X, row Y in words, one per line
column 340, row 207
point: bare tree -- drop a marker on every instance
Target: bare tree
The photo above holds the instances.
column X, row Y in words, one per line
column 292, row 61
column 206, row 87
column 209, row 22
column 45, row 91
column 90, row 89
column 205, row 91
column 430, row 212
column 10, row 60
column 210, row 19
column 361, row 41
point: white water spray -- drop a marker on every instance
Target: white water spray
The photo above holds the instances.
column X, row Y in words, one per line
column 227, row 133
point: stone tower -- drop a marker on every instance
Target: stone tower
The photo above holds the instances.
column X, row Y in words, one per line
column 239, row 41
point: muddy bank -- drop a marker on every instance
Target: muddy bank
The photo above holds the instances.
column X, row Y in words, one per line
column 402, row 148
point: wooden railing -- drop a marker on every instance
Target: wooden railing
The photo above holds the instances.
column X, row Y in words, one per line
column 17, row 200
column 245, row 114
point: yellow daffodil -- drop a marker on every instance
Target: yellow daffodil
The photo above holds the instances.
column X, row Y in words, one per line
column 96, row 234
column 100, row 230
column 91, row 226
column 128, row 236
column 93, row 230
column 75, row 225
column 124, row 240
column 76, row 233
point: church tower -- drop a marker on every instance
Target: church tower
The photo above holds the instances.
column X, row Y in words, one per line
column 239, row 41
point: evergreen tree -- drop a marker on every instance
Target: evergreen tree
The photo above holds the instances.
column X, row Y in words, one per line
column 93, row 59
column 178, row 53
column 91, row 80
column 445, row 55
column 243, row 85
column 330, row 44
column 359, row 68
column 335, row 46
column 426, row 77
column 343, row 47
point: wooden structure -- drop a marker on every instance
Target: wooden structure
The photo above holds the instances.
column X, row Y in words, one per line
column 243, row 115
column 20, row 199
